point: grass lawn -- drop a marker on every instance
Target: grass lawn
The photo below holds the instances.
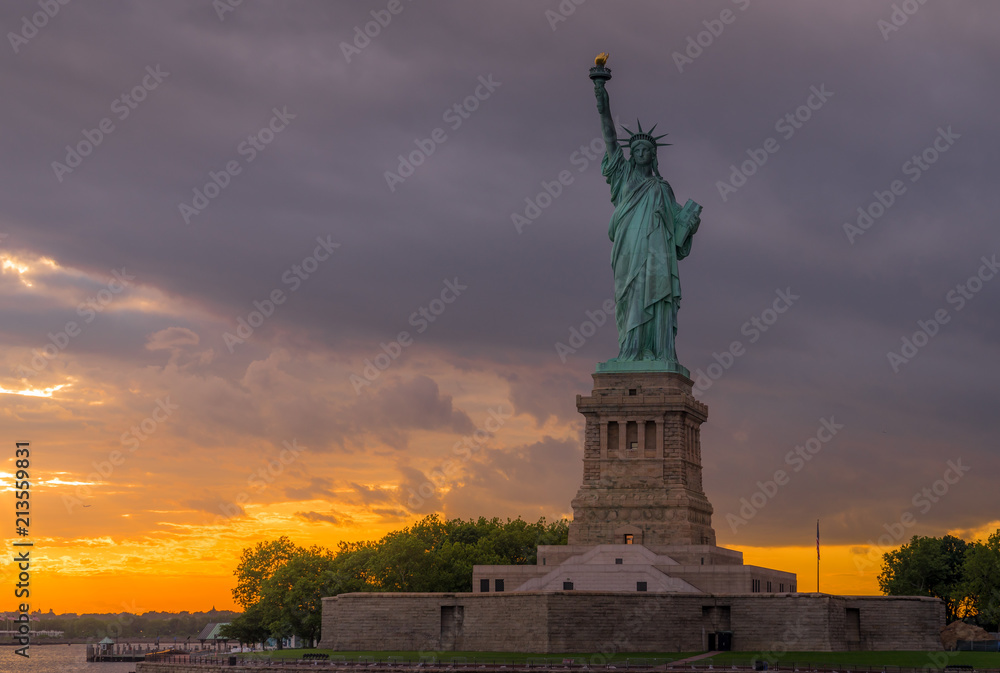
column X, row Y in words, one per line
column 847, row 660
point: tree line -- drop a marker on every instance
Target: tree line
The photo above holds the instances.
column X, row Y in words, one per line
column 280, row 585
column 965, row 575
column 127, row 625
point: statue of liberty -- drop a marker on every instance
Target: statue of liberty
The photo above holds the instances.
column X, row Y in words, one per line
column 650, row 232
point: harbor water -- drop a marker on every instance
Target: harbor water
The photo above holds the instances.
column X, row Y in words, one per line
column 57, row 659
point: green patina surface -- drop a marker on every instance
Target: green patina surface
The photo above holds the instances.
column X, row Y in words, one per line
column 650, row 232
column 642, row 366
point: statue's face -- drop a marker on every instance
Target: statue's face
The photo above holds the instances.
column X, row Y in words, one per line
column 643, row 153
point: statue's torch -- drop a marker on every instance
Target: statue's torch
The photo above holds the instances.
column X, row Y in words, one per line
column 600, row 72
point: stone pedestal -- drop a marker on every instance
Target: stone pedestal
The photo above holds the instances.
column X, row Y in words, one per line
column 642, row 463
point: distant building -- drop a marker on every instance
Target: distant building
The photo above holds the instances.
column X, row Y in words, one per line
column 106, row 647
column 210, row 635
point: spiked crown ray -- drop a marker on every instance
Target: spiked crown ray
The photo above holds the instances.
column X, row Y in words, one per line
column 643, row 135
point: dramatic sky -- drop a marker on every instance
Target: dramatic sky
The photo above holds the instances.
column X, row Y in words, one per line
column 160, row 445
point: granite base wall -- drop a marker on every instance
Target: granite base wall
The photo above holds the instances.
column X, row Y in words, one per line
column 577, row 621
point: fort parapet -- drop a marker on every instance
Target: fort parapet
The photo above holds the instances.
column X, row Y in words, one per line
column 577, row 621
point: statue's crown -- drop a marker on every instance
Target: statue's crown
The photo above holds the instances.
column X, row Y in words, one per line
column 643, row 135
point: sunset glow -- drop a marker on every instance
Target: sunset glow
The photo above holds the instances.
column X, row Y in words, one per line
column 313, row 289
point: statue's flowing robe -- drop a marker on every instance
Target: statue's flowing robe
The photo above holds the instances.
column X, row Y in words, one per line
column 650, row 232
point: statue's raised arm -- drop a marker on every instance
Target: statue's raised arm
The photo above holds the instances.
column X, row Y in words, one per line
column 601, row 74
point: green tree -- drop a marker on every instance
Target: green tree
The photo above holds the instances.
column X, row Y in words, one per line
column 407, row 560
column 292, row 598
column 981, row 585
column 515, row 542
column 87, row 627
column 352, row 568
column 436, row 555
column 281, row 585
column 248, row 628
column 926, row 566
column 257, row 564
